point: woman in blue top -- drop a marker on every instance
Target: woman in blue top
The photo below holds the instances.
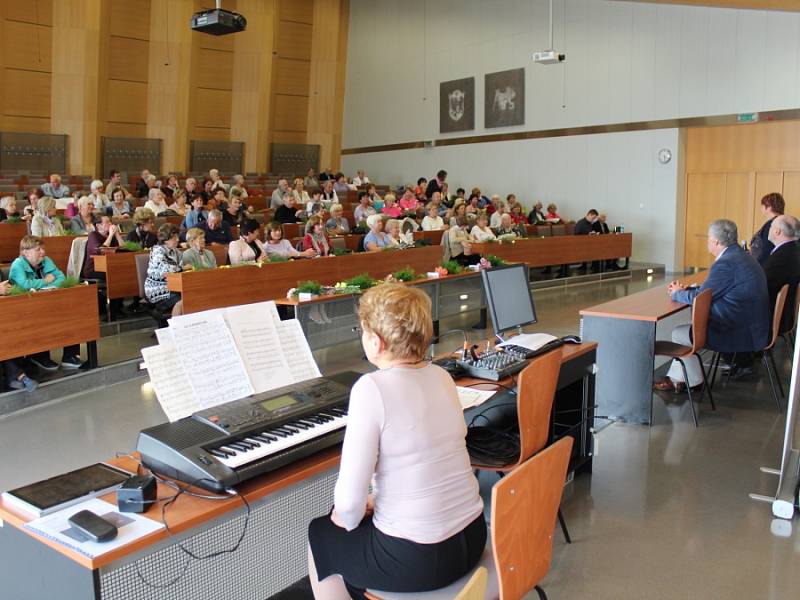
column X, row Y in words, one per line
column 33, row 270
column 376, row 239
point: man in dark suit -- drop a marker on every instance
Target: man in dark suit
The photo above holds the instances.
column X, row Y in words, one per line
column 739, row 318
column 782, row 266
column 600, row 226
column 436, row 184
column 586, row 225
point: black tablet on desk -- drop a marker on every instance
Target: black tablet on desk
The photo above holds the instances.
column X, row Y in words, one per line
column 50, row 495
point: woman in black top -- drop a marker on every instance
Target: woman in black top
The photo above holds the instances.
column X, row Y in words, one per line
column 772, row 205
column 144, row 221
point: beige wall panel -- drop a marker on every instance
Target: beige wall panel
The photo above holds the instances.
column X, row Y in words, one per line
column 791, row 193
column 289, row 137
column 29, row 11
column 26, row 93
column 124, row 130
column 213, row 108
column 296, row 10
column 127, row 102
column 215, row 69
column 705, row 201
column 27, row 124
column 291, row 113
column 739, row 202
column 130, row 18
column 294, row 41
column 211, row 133
column 745, row 147
column 292, row 77
column 766, row 182
column 128, row 59
column 27, row 46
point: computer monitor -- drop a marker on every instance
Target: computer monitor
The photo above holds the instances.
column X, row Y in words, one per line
column 508, row 297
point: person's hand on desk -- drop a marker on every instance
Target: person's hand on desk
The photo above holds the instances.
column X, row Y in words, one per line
column 5, row 288
column 675, row 286
column 49, row 278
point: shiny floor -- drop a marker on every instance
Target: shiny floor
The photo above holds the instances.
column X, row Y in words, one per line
column 665, row 514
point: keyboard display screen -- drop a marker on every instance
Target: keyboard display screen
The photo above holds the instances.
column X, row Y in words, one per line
column 278, row 403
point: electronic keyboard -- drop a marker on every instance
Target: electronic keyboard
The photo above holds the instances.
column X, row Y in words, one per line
column 223, row 446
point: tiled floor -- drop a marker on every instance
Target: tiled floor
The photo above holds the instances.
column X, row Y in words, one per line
column 664, row 515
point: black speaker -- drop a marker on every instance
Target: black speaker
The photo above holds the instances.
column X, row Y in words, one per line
column 137, row 494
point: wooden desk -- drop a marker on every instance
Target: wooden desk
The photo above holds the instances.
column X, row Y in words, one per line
column 558, row 250
column 48, row 320
column 58, row 248
column 626, row 330
column 272, row 553
column 217, row 288
column 10, row 235
column 122, row 280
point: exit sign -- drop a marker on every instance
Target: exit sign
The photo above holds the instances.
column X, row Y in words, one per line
column 747, row 118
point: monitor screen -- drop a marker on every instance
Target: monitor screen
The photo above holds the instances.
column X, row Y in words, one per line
column 508, row 297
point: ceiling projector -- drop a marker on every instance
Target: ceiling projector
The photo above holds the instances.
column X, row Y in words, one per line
column 548, row 57
column 218, row 21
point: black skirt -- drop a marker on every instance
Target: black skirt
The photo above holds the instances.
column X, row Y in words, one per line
column 366, row 558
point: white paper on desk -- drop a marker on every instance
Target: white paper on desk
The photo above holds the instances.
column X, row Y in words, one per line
column 469, row 397
column 256, row 336
column 130, row 526
column 208, row 352
column 170, row 382
column 164, row 336
column 531, row 341
column 296, row 350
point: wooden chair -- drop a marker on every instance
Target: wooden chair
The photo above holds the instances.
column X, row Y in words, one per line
column 700, row 309
column 291, row 230
column 524, row 507
column 767, row 356
column 788, row 335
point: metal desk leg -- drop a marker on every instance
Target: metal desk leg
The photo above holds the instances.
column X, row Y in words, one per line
column 91, row 351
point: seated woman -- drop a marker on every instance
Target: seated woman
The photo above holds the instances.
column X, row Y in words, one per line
column 156, row 201
column 376, row 239
column 337, row 224
column 33, row 270
column 172, row 187
column 84, row 222
column 390, row 207
column 409, row 202
column 481, row 232
column 197, row 215
column 552, row 215
column 248, row 248
column 288, row 211
column 315, row 238
column 144, row 222
column 44, row 222
column 500, row 209
column 432, row 221
column 537, row 214
column 164, row 258
column 301, row 197
column 120, row 207
column 459, row 210
column 105, row 235
column 238, row 186
column 507, row 227
column 233, row 213
column 423, row 526
column 179, row 205
column 8, row 210
column 517, row 216
column 396, row 238
column 364, row 208
column 460, row 243
column 197, row 257
column 277, row 245
column 11, row 370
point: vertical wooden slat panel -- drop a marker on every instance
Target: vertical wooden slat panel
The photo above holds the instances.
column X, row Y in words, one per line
column 739, row 201
column 791, row 192
column 705, row 201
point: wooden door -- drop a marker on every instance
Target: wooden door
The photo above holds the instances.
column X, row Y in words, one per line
column 705, row 201
column 739, row 202
column 791, row 193
column 766, row 183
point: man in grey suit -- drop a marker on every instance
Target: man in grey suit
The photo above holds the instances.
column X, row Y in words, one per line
column 739, row 318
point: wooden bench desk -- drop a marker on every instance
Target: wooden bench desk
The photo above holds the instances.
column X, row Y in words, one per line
column 548, row 251
column 49, row 320
column 58, row 248
column 122, row 280
column 10, row 235
column 626, row 331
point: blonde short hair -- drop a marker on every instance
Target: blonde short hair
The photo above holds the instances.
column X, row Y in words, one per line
column 372, row 220
column 193, row 234
column 401, row 316
column 29, row 242
column 85, row 201
column 335, row 207
column 389, row 196
column 45, row 204
column 143, row 215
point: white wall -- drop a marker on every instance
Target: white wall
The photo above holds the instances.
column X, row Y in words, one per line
column 626, row 61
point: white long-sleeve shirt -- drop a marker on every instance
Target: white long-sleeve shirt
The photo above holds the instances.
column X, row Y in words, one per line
column 406, row 429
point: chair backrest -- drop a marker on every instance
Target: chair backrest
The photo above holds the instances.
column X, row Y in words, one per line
column 791, row 320
column 476, row 586
column 536, row 389
column 524, row 508
column 142, row 260
column 77, row 257
column 777, row 315
column 559, row 230
column 700, row 309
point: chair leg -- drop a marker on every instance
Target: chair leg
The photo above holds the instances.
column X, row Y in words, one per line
column 540, row 591
column 713, row 369
column 775, row 370
column 730, row 370
column 771, row 381
column 688, row 390
column 563, row 524
column 705, row 384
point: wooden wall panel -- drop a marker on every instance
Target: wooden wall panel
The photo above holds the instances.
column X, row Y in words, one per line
column 26, row 93
column 213, row 108
column 745, row 147
column 134, row 130
column 289, row 137
column 291, row 113
column 301, row 11
column 29, row 11
column 294, row 41
column 215, row 69
column 127, row 59
column 130, row 18
column 791, row 193
column 27, row 46
column 739, row 202
column 705, row 201
column 25, row 124
column 127, row 102
column 219, row 134
column 292, row 76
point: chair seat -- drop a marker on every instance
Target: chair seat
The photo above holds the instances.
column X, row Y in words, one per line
column 452, row 590
column 665, row 348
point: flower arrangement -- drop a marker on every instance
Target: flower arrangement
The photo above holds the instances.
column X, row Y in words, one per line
column 131, row 246
column 494, row 261
column 452, row 267
column 405, row 274
column 69, row 281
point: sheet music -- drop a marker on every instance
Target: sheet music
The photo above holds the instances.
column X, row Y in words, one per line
column 531, row 341
column 164, row 336
column 208, row 351
column 256, row 337
column 170, row 382
column 296, row 350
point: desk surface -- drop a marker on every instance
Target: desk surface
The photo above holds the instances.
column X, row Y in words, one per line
column 188, row 512
column 649, row 305
column 561, row 249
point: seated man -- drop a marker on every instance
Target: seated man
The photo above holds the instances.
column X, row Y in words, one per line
column 585, row 226
column 54, row 187
column 105, row 235
column 738, row 321
column 216, row 232
column 782, row 266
